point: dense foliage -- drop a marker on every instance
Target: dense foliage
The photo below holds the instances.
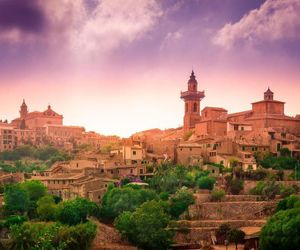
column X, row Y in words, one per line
column 206, row 182
column 16, row 200
column 169, row 178
column 69, row 228
column 46, row 154
column 146, row 227
column 118, row 200
column 180, row 202
column 52, row 236
column 282, row 230
column 75, row 211
column 284, row 161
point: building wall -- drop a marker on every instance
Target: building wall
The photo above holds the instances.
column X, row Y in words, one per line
column 64, row 132
column 211, row 127
column 7, row 137
column 41, row 121
column 184, row 154
column 212, row 113
column 268, row 107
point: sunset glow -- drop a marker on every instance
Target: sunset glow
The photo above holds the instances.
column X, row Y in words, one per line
column 118, row 68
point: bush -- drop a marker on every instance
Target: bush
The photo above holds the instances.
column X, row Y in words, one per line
column 270, row 191
column 180, row 202
column 286, row 191
column 206, row 183
column 235, row 186
column 217, row 195
column 52, row 236
column 14, row 220
column 169, row 178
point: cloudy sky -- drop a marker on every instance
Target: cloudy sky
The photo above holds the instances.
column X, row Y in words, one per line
column 118, row 66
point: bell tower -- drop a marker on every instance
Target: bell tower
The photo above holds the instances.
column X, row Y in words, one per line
column 268, row 95
column 191, row 98
column 23, row 110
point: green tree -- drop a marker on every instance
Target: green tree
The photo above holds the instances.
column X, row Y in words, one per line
column 118, row 200
column 46, row 208
column 35, row 189
column 75, row 211
column 16, row 200
column 180, row 202
column 146, row 227
column 290, row 202
column 282, row 231
column 206, row 183
column 236, row 236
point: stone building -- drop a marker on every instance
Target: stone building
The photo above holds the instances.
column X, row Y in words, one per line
column 36, row 119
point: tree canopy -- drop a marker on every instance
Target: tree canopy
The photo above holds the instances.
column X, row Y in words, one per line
column 146, row 227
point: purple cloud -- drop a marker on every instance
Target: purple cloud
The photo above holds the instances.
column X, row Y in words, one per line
column 24, row 15
column 274, row 20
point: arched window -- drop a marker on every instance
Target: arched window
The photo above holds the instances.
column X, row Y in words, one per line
column 186, row 107
column 195, row 107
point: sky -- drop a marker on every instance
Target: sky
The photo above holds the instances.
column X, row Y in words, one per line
column 118, row 66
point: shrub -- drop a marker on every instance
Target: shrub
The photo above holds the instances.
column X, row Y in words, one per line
column 14, row 220
column 52, row 236
column 286, row 191
column 217, row 195
column 180, row 202
column 206, row 183
column 236, row 186
column 270, row 191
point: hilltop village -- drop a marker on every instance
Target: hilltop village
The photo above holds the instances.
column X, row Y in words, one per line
column 240, row 155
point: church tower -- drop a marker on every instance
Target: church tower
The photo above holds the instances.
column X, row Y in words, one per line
column 191, row 98
column 23, row 110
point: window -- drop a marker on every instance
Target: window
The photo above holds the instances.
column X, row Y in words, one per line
column 243, row 148
column 191, row 149
column 186, row 107
column 141, row 171
column 134, row 152
column 195, row 107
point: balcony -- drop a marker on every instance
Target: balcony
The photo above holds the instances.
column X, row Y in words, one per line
column 192, row 94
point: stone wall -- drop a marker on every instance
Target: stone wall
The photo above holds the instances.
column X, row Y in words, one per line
column 248, row 185
column 231, row 210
